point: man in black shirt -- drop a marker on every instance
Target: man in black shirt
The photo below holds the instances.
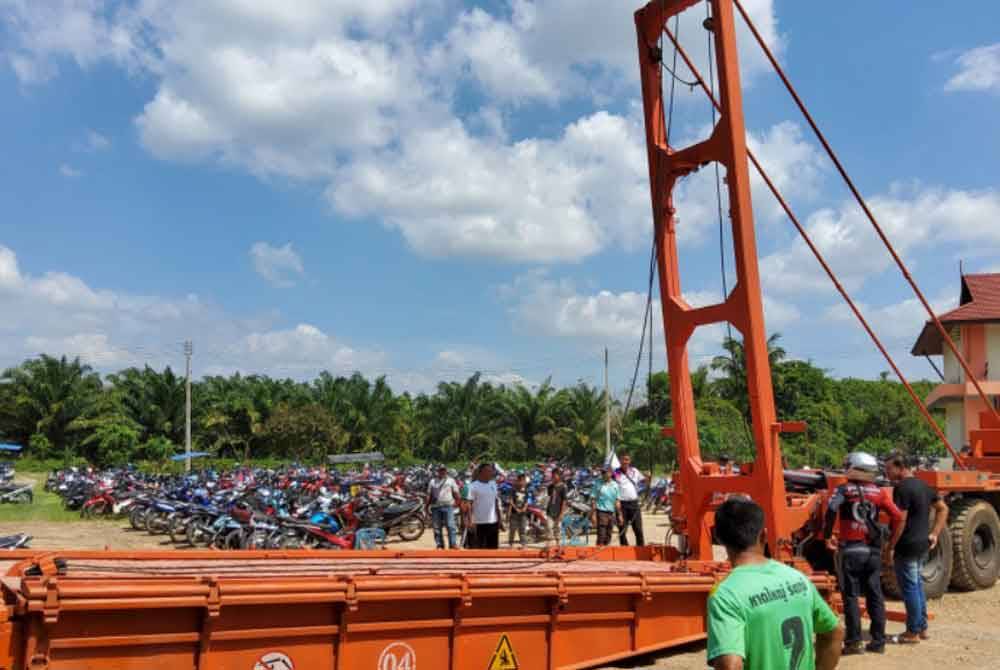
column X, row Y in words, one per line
column 556, row 506
column 916, row 498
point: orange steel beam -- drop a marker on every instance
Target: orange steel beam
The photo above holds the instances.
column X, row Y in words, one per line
column 743, row 307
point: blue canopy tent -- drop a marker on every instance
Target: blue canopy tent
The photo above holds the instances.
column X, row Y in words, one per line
column 11, row 447
column 193, row 454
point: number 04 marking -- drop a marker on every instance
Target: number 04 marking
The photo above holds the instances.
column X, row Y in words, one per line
column 397, row 656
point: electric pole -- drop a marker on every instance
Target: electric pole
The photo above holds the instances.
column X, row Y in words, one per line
column 607, row 410
column 188, row 351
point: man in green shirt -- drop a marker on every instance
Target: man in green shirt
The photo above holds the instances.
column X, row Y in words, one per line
column 764, row 614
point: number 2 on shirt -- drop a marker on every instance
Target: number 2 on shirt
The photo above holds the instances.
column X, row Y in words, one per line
column 793, row 634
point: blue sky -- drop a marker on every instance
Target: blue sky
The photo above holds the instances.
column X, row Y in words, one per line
column 425, row 188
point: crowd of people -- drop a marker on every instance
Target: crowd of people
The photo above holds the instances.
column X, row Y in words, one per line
column 767, row 615
column 614, row 501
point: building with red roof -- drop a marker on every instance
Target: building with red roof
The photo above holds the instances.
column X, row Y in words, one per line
column 975, row 328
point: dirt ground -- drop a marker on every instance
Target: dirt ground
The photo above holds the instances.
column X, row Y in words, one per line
column 965, row 628
column 965, row 634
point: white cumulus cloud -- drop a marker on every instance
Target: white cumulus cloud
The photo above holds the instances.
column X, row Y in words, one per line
column 978, row 70
column 280, row 266
column 913, row 217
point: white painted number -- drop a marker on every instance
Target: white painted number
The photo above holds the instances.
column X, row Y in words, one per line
column 397, row 656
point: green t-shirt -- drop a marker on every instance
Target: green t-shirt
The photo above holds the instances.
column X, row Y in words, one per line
column 767, row 613
column 605, row 495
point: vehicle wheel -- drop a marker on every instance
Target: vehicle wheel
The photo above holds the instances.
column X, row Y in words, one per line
column 137, row 518
column 90, row 511
column 412, row 529
column 24, row 497
column 937, row 571
column 196, row 533
column 233, row 539
column 156, row 523
column 177, row 529
column 939, row 567
column 975, row 532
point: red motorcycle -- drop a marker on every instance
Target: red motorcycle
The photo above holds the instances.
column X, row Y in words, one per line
column 102, row 503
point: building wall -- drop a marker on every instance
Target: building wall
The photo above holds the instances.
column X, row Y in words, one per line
column 955, row 429
column 952, row 370
column 993, row 349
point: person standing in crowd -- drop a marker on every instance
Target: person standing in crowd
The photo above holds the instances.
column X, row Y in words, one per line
column 442, row 496
column 485, row 508
column 853, row 531
column 629, row 478
column 916, row 499
column 606, row 508
column 556, row 506
column 764, row 614
column 517, row 515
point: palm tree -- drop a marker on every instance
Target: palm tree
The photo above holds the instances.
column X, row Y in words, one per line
column 533, row 413
column 153, row 400
column 370, row 413
column 465, row 416
column 732, row 383
column 233, row 412
column 43, row 397
column 586, row 412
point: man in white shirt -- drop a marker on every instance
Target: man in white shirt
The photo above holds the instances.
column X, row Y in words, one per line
column 629, row 478
column 442, row 496
column 485, row 503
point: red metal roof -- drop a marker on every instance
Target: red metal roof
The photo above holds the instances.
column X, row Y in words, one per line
column 979, row 303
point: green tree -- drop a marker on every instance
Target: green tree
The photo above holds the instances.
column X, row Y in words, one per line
column 465, row 417
column 533, row 413
column 584, row 421
column 732, row 368
column 153, row 400
column 44, row 396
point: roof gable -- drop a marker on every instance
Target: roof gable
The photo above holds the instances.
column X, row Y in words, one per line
column 979, row 302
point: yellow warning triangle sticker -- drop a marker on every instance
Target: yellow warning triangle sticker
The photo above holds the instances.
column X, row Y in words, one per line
column 503, row 657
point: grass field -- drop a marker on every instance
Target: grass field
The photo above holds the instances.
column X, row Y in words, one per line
column 46, row 506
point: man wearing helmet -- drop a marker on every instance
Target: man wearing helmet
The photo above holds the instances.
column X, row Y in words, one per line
column 853, row 531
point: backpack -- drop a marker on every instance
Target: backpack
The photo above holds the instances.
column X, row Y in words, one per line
column 867, row 511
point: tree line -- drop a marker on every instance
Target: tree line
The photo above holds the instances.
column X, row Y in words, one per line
column 60, row 408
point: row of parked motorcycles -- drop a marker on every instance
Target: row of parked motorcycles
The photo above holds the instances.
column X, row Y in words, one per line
column 299, row 507
column 250, row 509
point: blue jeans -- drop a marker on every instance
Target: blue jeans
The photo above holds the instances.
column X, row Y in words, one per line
column 442, row 517
column 911, row 586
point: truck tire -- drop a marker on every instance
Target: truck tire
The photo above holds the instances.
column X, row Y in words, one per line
column 937, row 571
column 975, row 533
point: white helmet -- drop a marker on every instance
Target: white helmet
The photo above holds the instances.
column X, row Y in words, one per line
column 861, row 465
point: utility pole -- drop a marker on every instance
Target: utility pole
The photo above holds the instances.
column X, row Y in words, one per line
column 607, row 411
column 188, row 351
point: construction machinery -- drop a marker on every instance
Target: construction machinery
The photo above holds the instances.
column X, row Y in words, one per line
column 563, row 608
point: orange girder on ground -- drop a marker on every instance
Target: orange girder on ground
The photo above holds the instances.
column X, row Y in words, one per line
column 381, row 610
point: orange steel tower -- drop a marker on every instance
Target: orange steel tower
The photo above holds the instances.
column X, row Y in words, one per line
column 699, row 482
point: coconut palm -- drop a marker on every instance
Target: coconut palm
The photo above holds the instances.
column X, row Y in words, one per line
column 584, row 420
column 42, row 397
